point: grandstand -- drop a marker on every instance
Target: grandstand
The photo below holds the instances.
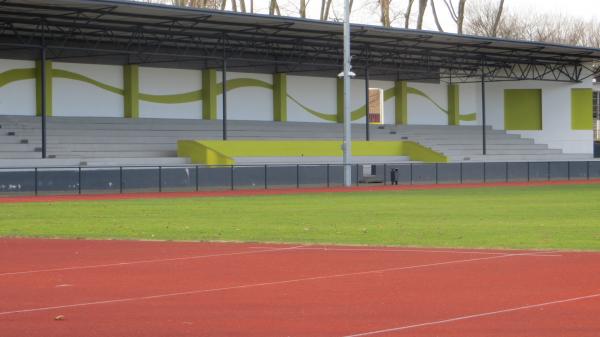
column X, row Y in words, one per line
column 96, row 141
column 107, row 95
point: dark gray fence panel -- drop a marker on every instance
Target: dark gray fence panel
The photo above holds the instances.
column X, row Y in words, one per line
column 578, row 170
column 140, row 179
column 495, row 172
column 58, row 181
column 517, row 172
column 594, row 169
column 313, row 176
column 472, row 173
column 559, row 171
column 178, row 178
column 248, row 177
column 282, row 176
column 100, row 180
column 449, row 173
column 214, row 178
column 424, row 173
column 539, row 171
column 17, row 182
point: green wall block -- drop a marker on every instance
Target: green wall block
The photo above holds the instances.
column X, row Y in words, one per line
column 523, row 109
column 401, row 102
column 131, row 92
column 340, row 100
column 280, row 97
column 38, row 88
column 209, row 94
column 582, row 109
column 453, row 104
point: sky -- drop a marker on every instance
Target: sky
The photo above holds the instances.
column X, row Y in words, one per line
column 366, row 12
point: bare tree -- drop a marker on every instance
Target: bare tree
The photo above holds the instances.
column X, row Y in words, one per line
column 274, row 8
column 422, row 8
column 325, row 7
column 384, row 6
column 302, row 9
column 407, row 13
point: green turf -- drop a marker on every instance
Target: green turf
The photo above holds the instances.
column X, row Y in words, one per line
column 562, row 217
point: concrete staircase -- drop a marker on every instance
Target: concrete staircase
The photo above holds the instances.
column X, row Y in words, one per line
column 75, row 141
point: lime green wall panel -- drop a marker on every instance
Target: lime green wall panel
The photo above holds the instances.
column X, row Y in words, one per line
column 216, row 152
column 523, row 109
column 582, row 109
column 401, row 102
column 209, row 94
column 340, row 100
column 38, row 88
column 453, row 104
column 280, row 97
column 131, row 92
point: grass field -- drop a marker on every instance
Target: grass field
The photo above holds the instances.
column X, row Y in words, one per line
column 560, row 217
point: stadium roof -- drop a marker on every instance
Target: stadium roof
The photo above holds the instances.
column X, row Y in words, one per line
column 120, row 32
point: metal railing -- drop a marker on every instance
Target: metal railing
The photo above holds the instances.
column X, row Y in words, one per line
column 125, row 179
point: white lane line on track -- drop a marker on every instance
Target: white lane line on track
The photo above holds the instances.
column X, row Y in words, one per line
column 117, row 264
column 253, row 285
column 462, row 318
column 393, row 250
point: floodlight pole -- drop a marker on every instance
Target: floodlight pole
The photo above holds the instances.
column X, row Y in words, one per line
column 347, row 127
column 483, row 122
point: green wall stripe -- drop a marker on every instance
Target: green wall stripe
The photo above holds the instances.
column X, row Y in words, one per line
column 38, row 88
column 209, row 94
column 401, row 102
column 523, row 109
column 60, row 73
column 131, row 81
column 582, row 110
column 453, row 104
column 15, row 75
column 280, row 97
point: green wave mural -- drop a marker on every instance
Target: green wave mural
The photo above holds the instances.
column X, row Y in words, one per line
column 15, row 75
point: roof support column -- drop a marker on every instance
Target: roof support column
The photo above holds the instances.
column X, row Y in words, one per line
column 483, row 109
column 367, row 131
column 43, row 89
column 224, row 80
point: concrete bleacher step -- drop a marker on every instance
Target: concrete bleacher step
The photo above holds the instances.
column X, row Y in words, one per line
column 93, row 162
column 321, row 160
column 87, row 138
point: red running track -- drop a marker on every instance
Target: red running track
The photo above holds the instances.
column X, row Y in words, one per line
column 125, row 288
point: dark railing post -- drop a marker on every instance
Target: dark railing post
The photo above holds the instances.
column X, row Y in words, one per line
column 266, row 183
column 328, row 176
column 160, row 179
column 35, row 181
column 197, row 183
column 384, row 174
column 224, row 97
column 411, row 173
column 120, row 179
column 231, row 178
column 436, row 174
column 367, row 131
column 79, row 180
column 357, row 178
column 297, row 175
column 460, row 169
column 483, row 122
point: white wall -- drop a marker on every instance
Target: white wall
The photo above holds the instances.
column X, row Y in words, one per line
column 17, row 98
column 249, row 103
column 556, row 114
column 316, row 93
column 163, row 81
column 76, row 98
column 421, row 110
